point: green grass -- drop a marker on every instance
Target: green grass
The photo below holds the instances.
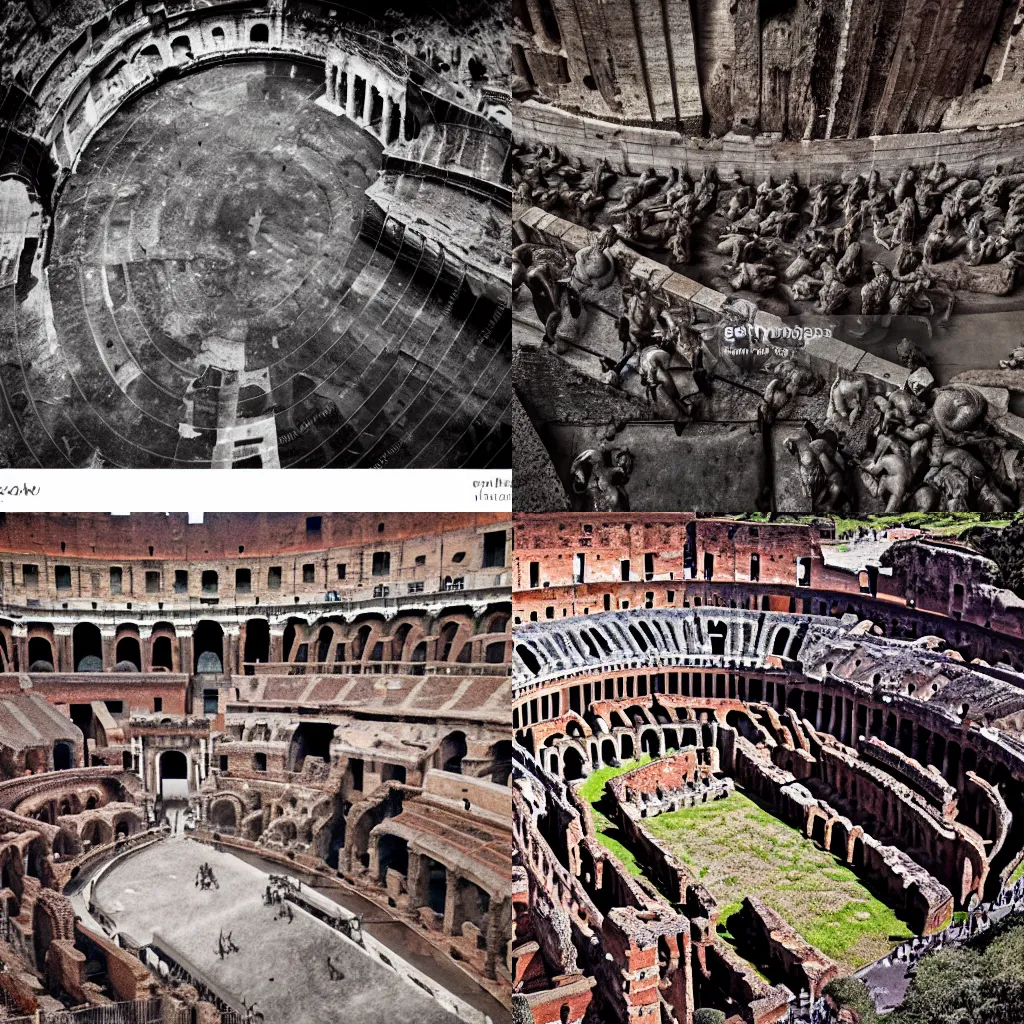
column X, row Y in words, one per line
column 1017, row 875
column 737, row 848
column 939, row 524
column 592, row 790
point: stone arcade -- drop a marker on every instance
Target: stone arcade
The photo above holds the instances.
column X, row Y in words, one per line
column 325, row 696
column 878, row 711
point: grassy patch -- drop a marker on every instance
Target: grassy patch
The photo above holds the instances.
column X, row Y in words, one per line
column 608, row 833
column 737, row 848
column 1018, row 874
column 939, row 524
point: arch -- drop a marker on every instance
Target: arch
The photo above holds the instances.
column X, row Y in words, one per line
column 393, row 855
column 40, row 655
column 398, row 640
column 628, row 749
column 163, row 653
column 63, row 756
column 452, row 751
column 149, row 54
column 528, row 658
column 223, row 817
column 717, row 633
column 572, row 764
column 501, row 753
column 780, row 641
column 87, row 648
column 257, row 641
column 650, row 742
column 172, row 767
column 445, row 640
column 128, row 650
column 208, row 640
column 323, row 643
column 181, row 48
column 259, row 33
column 218, row 35
column 310, row 739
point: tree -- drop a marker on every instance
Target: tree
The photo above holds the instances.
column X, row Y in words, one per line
column 706, row 1015
column 852, row 994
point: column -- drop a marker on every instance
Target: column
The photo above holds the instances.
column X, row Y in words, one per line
column 818, row 714
column 364, row 116
column 350, row 98
column 416, row 880
column 452, row 905
column 499, row 916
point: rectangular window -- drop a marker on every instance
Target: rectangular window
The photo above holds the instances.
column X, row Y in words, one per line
column 624, row 569
column 243, row 581
column 355, row 766
column 309, row 573
column 709, row 565
column 158, row 703
column 313, row 524
column 579, row 567
column 755, row 568
column 115, row 707
column 116, row 579
column 535, row 574
column 210, row 702
column 62, row 577
column 416, row 588
column 223, row 762
column 152, row 582
column 494, row 549
column 210, row 582
column 649, row 566
column 342, row 567
column 181, row 581
column 421, row 559
column 274, row 577
column 381, row 563
column 30, row 574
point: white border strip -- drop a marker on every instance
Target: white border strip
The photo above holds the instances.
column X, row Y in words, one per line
column 264, row 490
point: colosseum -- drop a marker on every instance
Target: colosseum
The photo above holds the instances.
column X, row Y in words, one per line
column 758, row 763
column 254, row 234
column 754, row 233
column 255, row 768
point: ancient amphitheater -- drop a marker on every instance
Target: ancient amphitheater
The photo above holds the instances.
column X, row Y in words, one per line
column 255, row 766
column 752, row 760
column 253, row 234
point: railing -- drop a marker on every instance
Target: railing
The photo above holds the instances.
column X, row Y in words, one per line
column 377, row 668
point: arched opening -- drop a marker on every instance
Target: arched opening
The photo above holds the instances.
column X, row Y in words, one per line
column 572, row 764
column 310, row 739
column 529, row 659
column 218, row 36
column 780, row 642
column 163, row 655
column 210, row 583
column 453, row 750
column 63, row 757
column 150, row 55
column 323, row 643
column 259, row 762
column 181, row 48
column 208, row 641
column 257, row 641
column 394, row 123
column 649, row 743
column 173, row 775
column 223, row 817
column 717, row 632
column 445, row 640
column 87, row 648
column 627, row 747
column 419, row 657
column 259, row 34
column 398, row 641
column 494, row 654
column 40, row 655
column 392, row 853
column 128, row 651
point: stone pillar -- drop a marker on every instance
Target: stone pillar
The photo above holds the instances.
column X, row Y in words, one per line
column 364, row 114
column 276, row 644
column 452, row 905
column 350, row 99
column 109, row 646
column 818, row 713
column 499, row 916
column 416, row 880
column 374, row 850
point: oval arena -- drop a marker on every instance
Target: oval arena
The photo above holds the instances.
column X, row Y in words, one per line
column 860, row 714
column 312, row 707
column 221, row 245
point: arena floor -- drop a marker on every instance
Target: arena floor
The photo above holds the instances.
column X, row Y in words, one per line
column 281, row 966
column 209, row 300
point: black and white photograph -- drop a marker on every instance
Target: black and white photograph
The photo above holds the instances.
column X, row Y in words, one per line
column 254, row 235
